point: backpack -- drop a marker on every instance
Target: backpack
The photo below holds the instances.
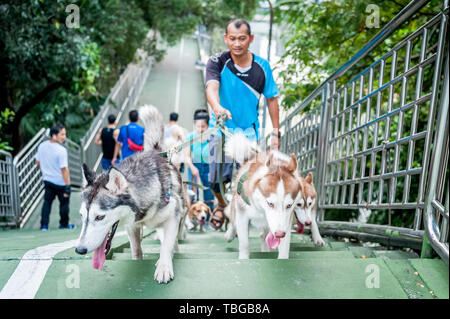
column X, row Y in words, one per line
column 133, row 146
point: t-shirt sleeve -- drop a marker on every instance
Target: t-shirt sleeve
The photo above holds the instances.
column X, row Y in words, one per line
column 270, row 87
column 120, row 138
column 38, row 154
column 63, row 162
column 213, row 70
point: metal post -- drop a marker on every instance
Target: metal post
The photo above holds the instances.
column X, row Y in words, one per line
column 263, row 135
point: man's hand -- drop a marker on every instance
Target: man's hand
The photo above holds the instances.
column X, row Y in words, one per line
column 274, row 143
column 114, row 160
column 219, row 110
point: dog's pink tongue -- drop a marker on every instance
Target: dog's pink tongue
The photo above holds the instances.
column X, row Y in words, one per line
column 99, row 255
column 272, row 241
column 300, row 228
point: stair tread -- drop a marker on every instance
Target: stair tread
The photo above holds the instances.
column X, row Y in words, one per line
column 253, row 255
column 254, row 278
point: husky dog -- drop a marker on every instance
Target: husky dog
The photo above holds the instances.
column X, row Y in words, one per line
column 144, row 189
column 266, row 198
column 306, row 209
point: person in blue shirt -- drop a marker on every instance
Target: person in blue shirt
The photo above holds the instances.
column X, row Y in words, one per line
column 132, row 131
column 197, row 158
column 235, row 81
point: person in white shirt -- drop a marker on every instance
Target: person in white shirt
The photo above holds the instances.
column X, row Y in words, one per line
column 52, row 159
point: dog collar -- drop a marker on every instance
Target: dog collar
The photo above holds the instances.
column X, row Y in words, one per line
column 240, row 188
column 167, row 198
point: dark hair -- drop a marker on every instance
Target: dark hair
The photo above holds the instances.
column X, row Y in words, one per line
column 201, row 114
column 55, row 129
column 237, row 23
column 111, row 118
column 174, row 116
column 133, row 115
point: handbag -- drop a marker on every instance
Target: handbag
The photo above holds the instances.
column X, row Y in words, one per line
column 133, row 146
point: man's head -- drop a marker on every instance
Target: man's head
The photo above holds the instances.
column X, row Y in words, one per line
column 173, row 117
column 238, row 36
column 58, row 133
column 134, row 116
column 111, row 119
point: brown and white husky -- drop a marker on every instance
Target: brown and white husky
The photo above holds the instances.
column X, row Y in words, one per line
column 266, row 191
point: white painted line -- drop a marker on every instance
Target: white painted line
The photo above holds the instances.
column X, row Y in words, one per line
column 178, row 86
column 24, row 283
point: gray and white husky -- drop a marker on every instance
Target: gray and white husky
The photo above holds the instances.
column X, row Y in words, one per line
column 144, row 189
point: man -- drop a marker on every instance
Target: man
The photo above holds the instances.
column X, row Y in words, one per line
column 235, row 80
column 174, row 134
column 107, row 137
column 130, row 139
column 51, row 158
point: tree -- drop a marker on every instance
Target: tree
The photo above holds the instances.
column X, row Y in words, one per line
column 320, row 36
column 51, row 73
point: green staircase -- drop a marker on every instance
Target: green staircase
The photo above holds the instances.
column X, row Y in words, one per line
column 206, row 266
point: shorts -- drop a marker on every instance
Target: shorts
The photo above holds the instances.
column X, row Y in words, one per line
column 216, row 156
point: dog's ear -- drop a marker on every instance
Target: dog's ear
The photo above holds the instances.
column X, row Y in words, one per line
column 209, row 209
column 292, row 166
column 309, row 178
column 117, row 182
column 89, row 176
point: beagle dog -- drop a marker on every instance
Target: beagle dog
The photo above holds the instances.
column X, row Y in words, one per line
column 197, row 215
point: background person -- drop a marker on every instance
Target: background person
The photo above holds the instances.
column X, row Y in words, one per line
column 107, row 137
column 52, row 159
column 174, row 135
column 197, row 157
column 133, row 132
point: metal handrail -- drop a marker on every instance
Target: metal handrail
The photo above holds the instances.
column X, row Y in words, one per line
column 333, row 138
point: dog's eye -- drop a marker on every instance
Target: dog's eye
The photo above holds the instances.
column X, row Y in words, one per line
column 99, row 218
column 288, row 206
column 271, row 205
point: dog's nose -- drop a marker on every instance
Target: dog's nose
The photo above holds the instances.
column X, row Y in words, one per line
column 307, row 223
column 81, row 250
column 203, row 217
column 280, row 234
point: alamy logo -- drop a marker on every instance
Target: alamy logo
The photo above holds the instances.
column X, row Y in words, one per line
column 373, row 280
column 73, row 19
column 373, row 19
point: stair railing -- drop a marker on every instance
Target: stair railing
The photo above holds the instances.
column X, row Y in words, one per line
column 21, row 185
column 354, row 132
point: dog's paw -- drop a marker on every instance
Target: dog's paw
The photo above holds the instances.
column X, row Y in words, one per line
column 229, row 235
column 163, row 272
column 319, row 242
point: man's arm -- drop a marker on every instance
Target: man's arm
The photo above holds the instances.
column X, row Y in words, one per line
column 66, row 176
column 98, row 139
column 212, row 96
column 116, row 152
column 272, row 104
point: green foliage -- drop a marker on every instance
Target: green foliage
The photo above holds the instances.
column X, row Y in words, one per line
column 320, row 36
column 6, row 116
column 51, row 73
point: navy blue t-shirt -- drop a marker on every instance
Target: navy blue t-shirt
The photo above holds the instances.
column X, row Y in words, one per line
column 239, row 92
column 136, row 135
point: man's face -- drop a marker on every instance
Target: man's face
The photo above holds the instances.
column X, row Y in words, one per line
column 61, row 136
column 238, row 40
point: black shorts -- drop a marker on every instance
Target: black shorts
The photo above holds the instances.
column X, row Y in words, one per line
column 216, row 156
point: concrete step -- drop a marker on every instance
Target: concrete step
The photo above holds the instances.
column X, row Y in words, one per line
column 225, row 279
column 395, row 254
column 253, row 255
column 254, row 245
